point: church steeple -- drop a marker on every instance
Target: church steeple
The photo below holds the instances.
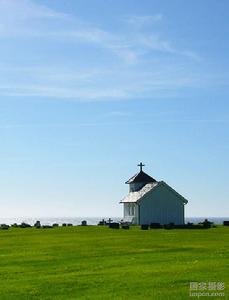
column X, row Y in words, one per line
column 139, row 180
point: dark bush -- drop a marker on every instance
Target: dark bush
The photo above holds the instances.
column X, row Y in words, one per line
column 55, row 225
column 114, row 225
column 24, row 225
column 64, row 224
column 206, row 224
column 47, row 226
column 197, row 226
column 189, row 224
column 226, row 223
column 84, row 223
column 69, row 224
column 185, row 226
column 168, row 226
column 155, row 225
column 15, row 225
column 125, row 227
column 4, row 226
column 144, row 226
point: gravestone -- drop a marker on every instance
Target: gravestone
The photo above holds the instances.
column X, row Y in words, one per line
column 37, row 224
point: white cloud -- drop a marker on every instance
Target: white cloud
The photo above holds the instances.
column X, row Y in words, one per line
column 125, row 75
column 14, row 10
column 63, row 92
column 18, row 19
column 99, row 84
column 143, row 20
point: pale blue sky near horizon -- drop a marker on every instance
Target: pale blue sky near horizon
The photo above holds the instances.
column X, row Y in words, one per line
column 88, row 89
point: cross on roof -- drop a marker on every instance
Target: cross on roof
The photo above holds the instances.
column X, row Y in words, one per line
column 141, row 165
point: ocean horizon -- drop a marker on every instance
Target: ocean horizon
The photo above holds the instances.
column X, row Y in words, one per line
column 91, row 220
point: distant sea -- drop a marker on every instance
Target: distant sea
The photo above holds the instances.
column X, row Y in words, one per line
column 94, row 220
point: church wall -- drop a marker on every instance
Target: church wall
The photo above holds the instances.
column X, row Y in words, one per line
column 161, row 206
column 131, row 209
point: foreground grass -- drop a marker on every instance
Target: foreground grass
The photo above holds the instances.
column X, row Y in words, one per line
column 100, row 263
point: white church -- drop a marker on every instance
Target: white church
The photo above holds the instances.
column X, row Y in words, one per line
column 151, row 201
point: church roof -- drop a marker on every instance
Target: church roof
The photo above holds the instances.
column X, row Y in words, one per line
column 141, row 177
column 136, row 196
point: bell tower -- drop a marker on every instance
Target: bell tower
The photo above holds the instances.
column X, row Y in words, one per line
column 139, row 180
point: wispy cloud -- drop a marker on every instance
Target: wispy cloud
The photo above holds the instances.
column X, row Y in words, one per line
column 129, row 71
column 142, row 20
column 81, row 84
column 17, row 19
column 60, row 92
column 98, row 84
column 118, row 113
column 14, row 10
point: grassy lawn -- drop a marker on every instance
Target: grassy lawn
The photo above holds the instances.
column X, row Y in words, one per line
column 100, row 263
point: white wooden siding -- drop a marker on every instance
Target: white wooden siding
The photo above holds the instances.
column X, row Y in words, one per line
column 161, row 205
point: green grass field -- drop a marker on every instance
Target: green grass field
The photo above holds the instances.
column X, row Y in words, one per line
column 100, row 263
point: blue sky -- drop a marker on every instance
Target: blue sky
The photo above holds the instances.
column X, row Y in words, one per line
column 90, row 88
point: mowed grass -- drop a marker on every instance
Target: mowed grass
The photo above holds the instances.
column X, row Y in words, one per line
column 96, row 262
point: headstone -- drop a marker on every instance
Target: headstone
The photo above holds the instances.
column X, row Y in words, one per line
column 103, row 222
column 84, row 223
column 37, row 224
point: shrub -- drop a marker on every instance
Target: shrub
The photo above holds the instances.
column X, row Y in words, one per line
column 168, row 226
column 125, row 227
column 24, row 225
column 155, row 225
column 15, row 225
column 185, row 226
column 144, row 226
column 114, row 225
column 4, row 226
column 226, row 223
column 206, row 224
